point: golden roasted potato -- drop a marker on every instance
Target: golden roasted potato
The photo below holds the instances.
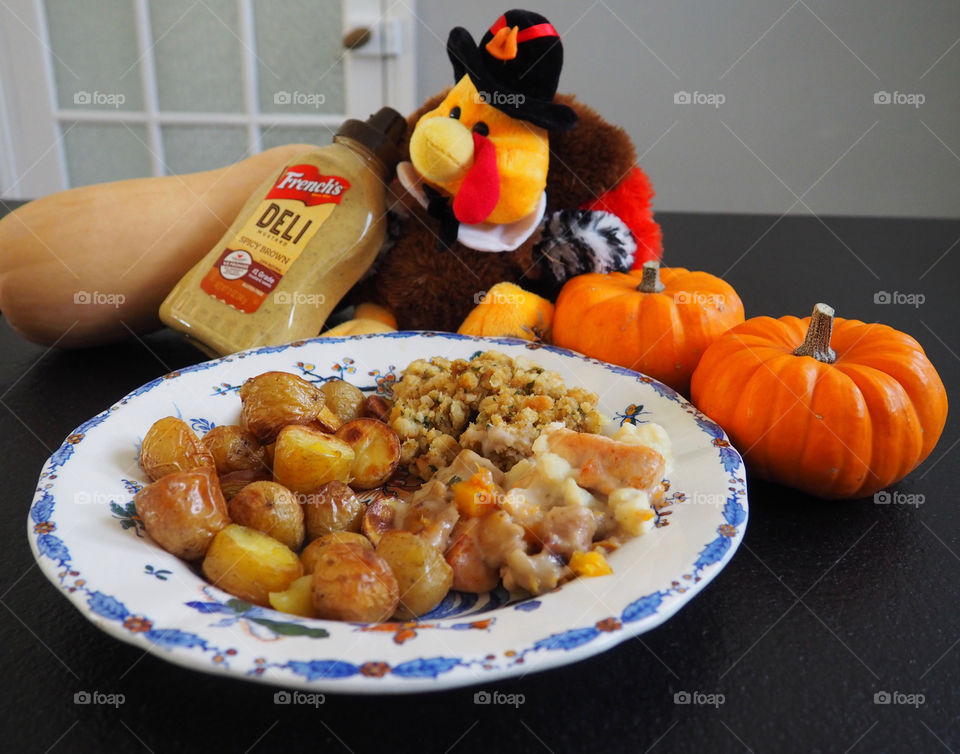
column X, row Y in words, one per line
column 465, row 556
column 271, row 508
column 380, row 517
column 295, row 599
column 376, row 449
column 313, row 550
column 305, row 459
column 377, row 407
column 250, row 564
column 343, row 399
column 333, row 507
column 170, row 445
column 353, row 583
column 273, row 400
column 235, row 449
column 423, row 576
column 183, row 511
column 234, row 481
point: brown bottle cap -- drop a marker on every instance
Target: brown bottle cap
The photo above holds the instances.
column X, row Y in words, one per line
column 381, row 134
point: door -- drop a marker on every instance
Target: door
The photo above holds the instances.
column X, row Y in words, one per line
column 110, row 89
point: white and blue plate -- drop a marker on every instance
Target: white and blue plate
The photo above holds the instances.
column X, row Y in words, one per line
column 88, row 540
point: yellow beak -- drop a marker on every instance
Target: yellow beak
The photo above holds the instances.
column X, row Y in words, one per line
column 441, row 149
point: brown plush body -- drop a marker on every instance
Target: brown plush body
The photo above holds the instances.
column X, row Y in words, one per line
column 428, row 286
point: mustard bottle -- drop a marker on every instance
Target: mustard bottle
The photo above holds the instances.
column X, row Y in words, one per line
column 298, row 245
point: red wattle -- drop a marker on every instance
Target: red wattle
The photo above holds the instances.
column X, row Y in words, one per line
column 480, row 190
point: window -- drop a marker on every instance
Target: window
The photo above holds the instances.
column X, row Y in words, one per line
column 110, row 89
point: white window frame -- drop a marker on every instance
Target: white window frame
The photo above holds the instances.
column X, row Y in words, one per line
column 32, row 155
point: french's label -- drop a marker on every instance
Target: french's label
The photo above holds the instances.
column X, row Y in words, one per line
column 272, row 238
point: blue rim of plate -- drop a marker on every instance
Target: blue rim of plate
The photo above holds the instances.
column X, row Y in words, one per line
column 419, row 674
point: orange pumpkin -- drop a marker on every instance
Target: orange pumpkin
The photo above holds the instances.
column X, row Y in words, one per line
column 837, row 416
column 656, row 320
column 508, row 310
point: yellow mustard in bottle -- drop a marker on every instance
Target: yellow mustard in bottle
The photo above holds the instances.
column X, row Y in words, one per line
column 298, row 245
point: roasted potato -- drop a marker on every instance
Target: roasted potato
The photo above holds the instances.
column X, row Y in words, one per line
column 333, row 507
column 235, row 449
column 376, row 449
column 380, row 517
column 313, row 550
column 183, row 511
column 305, row 459
column 327, row 420
column 470, row 571
column 234, row 481
column 170, row 445
column 377, row 407
column 423, row 576
column 271, row 508
column 295, row 599
column 343, row 399
column 351, row 582
column 273, row 400
column 250, row 564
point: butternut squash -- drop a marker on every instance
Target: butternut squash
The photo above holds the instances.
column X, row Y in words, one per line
column 91, row 265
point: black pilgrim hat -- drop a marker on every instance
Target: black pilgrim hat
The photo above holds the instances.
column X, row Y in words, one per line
column 515, row 68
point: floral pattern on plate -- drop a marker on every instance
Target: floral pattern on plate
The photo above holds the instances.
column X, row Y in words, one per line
column 82, row 523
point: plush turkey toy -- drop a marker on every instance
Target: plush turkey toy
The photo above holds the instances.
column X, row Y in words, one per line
column 507, row 182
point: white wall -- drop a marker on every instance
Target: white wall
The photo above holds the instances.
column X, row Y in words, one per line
column 798, row 78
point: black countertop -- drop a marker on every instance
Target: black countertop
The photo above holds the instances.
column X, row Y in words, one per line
column 823, row 606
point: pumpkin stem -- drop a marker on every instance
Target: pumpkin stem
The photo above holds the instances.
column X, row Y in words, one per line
column 650, row 282
column 817, row 341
